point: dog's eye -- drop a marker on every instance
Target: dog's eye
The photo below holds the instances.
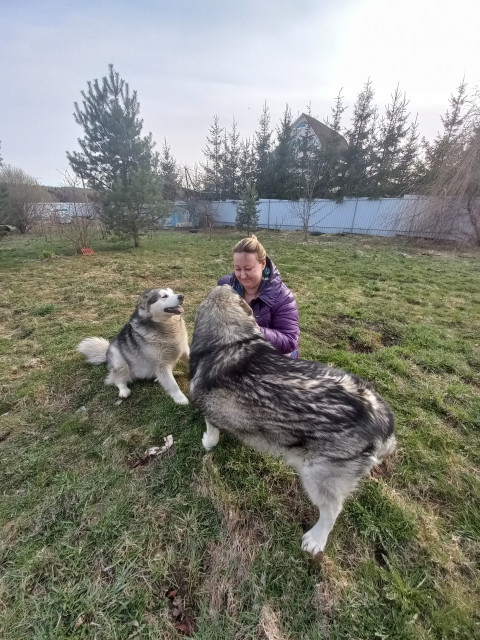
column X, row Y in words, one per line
column 164, row 295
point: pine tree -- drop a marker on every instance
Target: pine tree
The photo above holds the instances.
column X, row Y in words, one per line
column 443, row 148
column 113, row 145
column 410, row 168
column 115, row 159
column 232, row 161
column 361, row 142
column 263, row 143
column 135, row 206
column 170, row 174
column 225, row 186
column 337, row 113
column 283, row 159
column 246, row 164
column 213, row 153
column 247, row 210
column 397, row 144
column 333, row 157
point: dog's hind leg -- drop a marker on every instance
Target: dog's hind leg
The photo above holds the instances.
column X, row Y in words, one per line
column 119, row 378
column 185, row 357
column 167, row 381
column 314, row 540
column 327, row 493
column 210, row 437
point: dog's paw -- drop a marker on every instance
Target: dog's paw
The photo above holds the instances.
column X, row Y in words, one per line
column 124, row 392
column 311, row 545
column 208, row 442
column 181, row 399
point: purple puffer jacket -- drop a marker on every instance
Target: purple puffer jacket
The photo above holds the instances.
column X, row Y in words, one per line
column 275, row 309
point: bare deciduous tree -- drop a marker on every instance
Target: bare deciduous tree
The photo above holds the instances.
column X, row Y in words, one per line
column 207, row 216
column 81, row 221
column 454, row 193
column 25, row 198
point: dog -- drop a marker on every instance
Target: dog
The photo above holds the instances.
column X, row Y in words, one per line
column 148, row 345
column 325, row 423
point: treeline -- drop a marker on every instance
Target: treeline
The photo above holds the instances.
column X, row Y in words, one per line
column 375, row 154
column 382, row 154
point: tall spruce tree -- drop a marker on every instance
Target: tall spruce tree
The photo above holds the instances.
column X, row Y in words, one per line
column 232, row 161
column 246, row 164
column 263, row 144
column 212, row 167
column 337, row 113
column 283, row 159
column 115, row 159
column 444, row 148
column 361, row 145
column 224, row 174
column 247, row 210
column 170, row 174
column 397, row 147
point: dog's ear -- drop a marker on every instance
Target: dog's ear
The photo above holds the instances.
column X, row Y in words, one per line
column 246, row 307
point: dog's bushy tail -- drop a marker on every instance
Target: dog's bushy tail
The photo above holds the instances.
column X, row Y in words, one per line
column 94, row 349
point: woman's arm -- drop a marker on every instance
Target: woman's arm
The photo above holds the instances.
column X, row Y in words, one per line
column 284, row 329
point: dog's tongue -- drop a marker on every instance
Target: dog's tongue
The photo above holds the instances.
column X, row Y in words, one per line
column 179, row 309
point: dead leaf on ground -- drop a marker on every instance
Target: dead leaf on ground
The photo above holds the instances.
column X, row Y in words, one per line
column 183, row 622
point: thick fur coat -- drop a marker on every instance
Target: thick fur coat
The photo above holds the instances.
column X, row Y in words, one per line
column 329, row 425
column 148, row 345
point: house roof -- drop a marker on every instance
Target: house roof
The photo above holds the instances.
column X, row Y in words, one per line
column 325, row 134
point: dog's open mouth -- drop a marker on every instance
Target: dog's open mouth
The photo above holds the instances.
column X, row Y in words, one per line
column 177, row 310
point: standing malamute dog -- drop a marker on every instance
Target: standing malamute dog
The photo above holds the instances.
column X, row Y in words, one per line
column 327, row 424
column 148, row 346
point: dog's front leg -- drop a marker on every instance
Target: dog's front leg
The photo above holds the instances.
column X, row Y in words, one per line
column 210, row 437
column 167, row 381
column 185, row 357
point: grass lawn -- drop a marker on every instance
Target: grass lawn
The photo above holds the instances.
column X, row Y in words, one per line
column 90, row 543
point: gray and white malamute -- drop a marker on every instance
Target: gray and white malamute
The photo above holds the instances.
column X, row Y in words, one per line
column 148, row 346
column 325, row 423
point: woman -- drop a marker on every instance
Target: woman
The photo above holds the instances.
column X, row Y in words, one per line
column 259, row 282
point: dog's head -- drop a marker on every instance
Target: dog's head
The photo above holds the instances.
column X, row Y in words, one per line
column 227, row 300
column 225, row 318
column 159, row 303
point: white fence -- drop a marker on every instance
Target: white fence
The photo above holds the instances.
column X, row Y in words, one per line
column 411, row 215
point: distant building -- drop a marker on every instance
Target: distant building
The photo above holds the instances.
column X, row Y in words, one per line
column 321, row 133
column 64, row 212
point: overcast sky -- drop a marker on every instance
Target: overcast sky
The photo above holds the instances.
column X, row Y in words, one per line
column 191, row 59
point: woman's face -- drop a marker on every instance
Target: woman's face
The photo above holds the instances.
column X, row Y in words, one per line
column 248, row 270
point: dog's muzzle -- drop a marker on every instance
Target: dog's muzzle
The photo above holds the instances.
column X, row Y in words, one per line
column 178, row 310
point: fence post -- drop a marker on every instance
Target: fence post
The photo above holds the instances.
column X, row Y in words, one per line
column 354, row 212
column 268, row 215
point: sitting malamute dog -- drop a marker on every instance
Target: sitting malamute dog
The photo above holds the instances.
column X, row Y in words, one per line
column 327, row 424
column 148, row 346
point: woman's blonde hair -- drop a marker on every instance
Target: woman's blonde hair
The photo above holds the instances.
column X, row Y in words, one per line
column 251, row 245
